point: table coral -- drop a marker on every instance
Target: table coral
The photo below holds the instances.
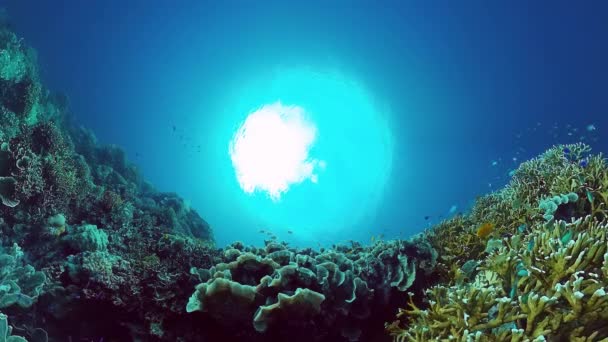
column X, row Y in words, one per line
column 291, row 290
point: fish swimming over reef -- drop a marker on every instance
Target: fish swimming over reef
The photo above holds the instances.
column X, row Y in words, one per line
column 485, row 230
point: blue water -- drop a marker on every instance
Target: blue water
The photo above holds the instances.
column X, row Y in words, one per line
column 466, row 90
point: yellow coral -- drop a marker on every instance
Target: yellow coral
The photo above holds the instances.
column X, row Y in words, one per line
column 551, row 287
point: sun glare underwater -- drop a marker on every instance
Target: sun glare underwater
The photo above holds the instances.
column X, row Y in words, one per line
column 254, row 171
column 309, row 141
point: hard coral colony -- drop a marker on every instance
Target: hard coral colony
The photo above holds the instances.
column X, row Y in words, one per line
column 90, row 251
column 544, row 282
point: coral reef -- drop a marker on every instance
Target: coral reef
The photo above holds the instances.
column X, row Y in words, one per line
column 284, row 292
column 6, row 331
column 545, row 276
column 84, row 238
column 19, row 284
column 90, row 231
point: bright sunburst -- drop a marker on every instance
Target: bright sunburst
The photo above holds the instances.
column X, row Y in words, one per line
column 310, row 152
column 270, row 150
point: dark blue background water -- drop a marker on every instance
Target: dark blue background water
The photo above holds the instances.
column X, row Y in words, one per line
column 468, row 82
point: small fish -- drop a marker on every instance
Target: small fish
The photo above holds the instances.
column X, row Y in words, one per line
column 485, row 229
column 566, row 150
column 522, row 228
column 583, row 163
column 262, row 231
column 589, row 196
column 174, row 128
column 427, row 217
column 530, row 245
column 567, row 237
column 373, row 238
column 591, row 128
column 289, row 232
column 494, row 163
column 453, row 209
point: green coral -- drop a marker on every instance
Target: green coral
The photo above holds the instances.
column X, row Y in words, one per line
column 7, row 191
column 6, row 330
column 550, row 204
column 553, row 290
column 13, row 62
column 22, row 93
column 224, row 299
column 542, row 277
column 299, row 306
column 19, row 284
column 87, row 238
column 548, row 176
column 278, row 288
column 97, row 267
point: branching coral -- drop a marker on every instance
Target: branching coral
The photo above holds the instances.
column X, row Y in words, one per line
column 558, row 293
column 545, row 279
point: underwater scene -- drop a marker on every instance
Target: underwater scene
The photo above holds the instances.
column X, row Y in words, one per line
column 324, row 171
